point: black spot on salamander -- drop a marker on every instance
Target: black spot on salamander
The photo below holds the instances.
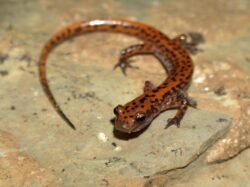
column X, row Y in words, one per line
column 141, row 30
column 158, row 41
column 154, row 36
column 142, row 100
column 68, row 31
column 131, row 116
column 113, row 26
column 174, row 89
column 183, row 69
column 165, row 95
column 78, row 30
column 63, row 35
column 156, row 100
column 165, row 83
column 179, row 86
column 58, row 37
column 148, row 34
column 182, row 74
column 173, row 79
column 142, row 106
column 173, row 54
column 167, row 50
column 177, row 64
column 156, row 90
column 53, row 42
column 162, row 86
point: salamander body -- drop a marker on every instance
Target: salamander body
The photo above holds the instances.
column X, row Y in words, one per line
column 172, row 53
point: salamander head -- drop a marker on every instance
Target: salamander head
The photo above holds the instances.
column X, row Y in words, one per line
column 134, row 116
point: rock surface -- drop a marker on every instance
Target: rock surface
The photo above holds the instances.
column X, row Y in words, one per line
column 82, row 80
column 201, row 174
column 19, row 169
column 94, row 154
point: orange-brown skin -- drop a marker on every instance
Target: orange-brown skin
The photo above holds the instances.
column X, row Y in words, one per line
column 173, row 54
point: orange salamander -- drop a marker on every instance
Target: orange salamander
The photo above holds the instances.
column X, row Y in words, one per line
column 172, row 53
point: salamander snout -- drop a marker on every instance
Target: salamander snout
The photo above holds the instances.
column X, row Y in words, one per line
column 130, row 120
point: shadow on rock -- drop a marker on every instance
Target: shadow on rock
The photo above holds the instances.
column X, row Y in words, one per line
column 126, row 136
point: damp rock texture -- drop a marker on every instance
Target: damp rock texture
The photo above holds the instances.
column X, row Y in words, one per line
column 104, row 158
column 19, row 169
column 95, row 154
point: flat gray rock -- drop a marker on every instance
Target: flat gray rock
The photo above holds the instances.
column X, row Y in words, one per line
column 154, row 151
column 93, row 155
column 98, row 154
column 212, row 175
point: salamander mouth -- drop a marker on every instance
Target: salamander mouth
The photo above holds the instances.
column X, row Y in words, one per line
column 139, row 127
column 122, row 127
column 130, row 128
column 135, row 128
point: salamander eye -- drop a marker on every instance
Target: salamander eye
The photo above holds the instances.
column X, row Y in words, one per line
column 118, row 110
column 140, row 117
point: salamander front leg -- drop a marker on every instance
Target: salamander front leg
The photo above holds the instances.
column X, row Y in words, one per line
column 133, row 50
column 181, row 110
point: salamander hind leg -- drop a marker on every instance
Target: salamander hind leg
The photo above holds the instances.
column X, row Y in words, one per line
column 190, row 41
column 124, row 62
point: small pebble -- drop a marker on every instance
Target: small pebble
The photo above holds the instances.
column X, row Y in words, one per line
column 102, row 137
column 118, row 148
